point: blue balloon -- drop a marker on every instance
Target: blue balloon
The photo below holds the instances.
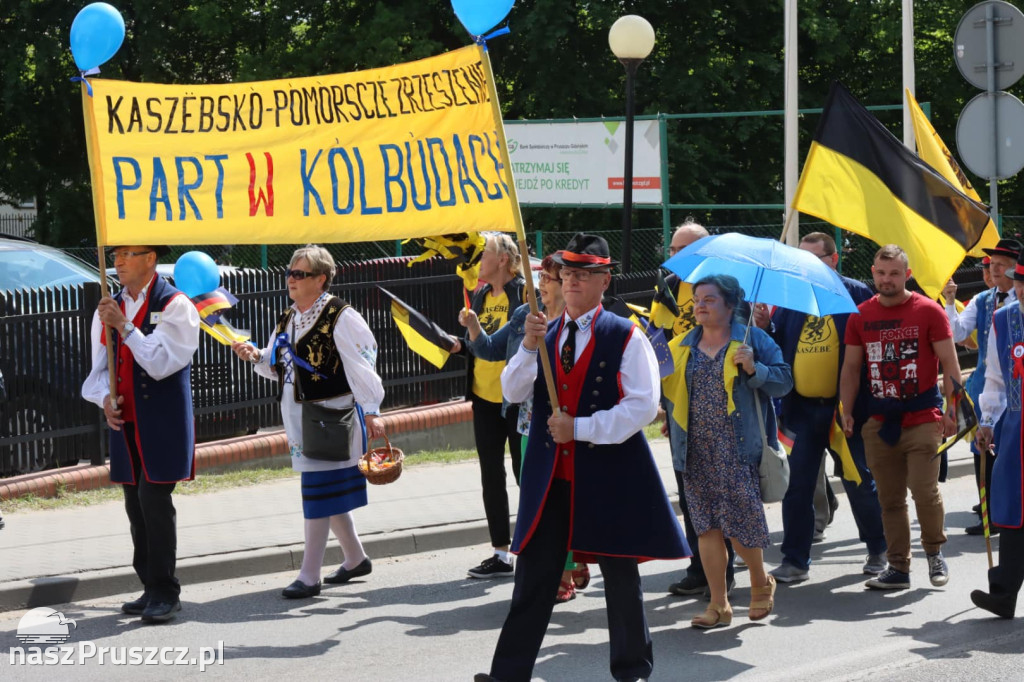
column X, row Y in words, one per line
column 96, row 34
column 480, row 16
column 195, row 273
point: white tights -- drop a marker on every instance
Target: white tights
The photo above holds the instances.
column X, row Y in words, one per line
column 344, row 528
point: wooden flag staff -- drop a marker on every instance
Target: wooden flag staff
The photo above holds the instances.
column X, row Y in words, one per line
column 524, row 253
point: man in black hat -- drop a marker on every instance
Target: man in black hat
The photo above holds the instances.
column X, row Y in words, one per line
column 152, row 434
column 978, row 316
column 1000, row 406
column 591, row 485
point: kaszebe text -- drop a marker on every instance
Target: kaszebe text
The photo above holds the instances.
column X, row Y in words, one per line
column 420, row 175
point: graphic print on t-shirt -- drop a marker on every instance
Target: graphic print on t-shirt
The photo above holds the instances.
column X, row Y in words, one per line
column 892, row 363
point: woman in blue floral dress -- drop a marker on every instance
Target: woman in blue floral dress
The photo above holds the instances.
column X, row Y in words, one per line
column 720, row 365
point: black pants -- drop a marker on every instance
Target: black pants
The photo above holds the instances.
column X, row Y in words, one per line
column 538, row 573
column 154, row 534
column 696, row 568
column 1006, row 578
column 492, row 431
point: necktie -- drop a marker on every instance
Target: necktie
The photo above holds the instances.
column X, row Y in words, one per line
column 1001, row 297
column 569, row 347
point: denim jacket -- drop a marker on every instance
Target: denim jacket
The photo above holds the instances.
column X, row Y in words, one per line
column 772, row 377
column 502, row 344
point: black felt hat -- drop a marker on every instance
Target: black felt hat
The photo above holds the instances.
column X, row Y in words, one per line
column 1018, row 272
column 586, row 252
column 1006, row 247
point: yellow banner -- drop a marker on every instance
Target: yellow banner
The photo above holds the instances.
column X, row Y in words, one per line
column 411, row 150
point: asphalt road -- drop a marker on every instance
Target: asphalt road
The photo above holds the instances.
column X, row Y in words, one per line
column 419, row 618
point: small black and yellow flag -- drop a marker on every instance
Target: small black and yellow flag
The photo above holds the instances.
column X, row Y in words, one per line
column 424, row 337
column 664, row 307
column 859, row 177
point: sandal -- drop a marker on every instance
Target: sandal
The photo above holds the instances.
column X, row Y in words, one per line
column 566, row 592
column 581, row 577
column 713, row 617
column 762, row 599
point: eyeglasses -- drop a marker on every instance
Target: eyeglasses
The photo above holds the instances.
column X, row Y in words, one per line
column 121, row 255
column 298, row 274
column 545, row 277
column 581, row 275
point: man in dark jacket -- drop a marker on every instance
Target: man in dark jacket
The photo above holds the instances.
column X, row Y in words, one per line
column 813, row 347
column 591, row 485
column 155, row 332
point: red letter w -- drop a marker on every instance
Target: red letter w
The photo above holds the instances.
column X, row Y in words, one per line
column 268, row 198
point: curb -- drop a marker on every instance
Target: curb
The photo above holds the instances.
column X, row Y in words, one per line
column 22, row 594
column 233, row 451
column 27, row 594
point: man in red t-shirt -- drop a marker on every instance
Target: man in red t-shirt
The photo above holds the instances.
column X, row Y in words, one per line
column 904, row 336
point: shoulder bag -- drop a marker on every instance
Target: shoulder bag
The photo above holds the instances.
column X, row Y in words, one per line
column 327, row 432
column 774, row 467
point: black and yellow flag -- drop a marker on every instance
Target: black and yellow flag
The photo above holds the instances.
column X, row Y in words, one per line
column 664, row 308
column 424, row 337
column 936, row 154
column 859, row 177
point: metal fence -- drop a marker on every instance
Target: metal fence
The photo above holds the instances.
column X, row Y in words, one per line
column 17, row 225
column 45, row 357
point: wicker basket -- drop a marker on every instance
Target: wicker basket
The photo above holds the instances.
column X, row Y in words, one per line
column 389, row 456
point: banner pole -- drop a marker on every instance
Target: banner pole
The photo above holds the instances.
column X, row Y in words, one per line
column 524, row 252
column 101, row 245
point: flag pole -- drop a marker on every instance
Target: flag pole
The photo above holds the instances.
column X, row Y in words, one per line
column 524, row 253
column 984, row 507
column 101, row 242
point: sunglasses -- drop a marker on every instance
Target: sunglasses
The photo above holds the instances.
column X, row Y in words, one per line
column 298, row 274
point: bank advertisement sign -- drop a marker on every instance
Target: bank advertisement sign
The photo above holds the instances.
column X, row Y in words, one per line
column 576, row 163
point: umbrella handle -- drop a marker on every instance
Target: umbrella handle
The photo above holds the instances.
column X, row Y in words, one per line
column 753, row 303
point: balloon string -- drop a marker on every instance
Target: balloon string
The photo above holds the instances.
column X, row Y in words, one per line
column 82, row 78
column 482, row 40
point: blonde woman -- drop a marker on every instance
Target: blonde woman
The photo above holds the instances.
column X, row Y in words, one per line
column 494, row 419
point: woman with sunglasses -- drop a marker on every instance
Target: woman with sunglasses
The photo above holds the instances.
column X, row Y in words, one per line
column 323, row 352
column 502, row 345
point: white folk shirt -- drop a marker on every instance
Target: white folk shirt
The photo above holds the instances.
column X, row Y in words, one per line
column 168, row 349
column 638, row 374
column 992, row 401
column 964, row 323
column 358, row 351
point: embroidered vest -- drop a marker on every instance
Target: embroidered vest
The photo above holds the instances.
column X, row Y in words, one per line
column 986, row 307
column 161, row 409
column 317, row 348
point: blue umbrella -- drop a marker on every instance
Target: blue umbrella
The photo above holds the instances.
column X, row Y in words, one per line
column 769, row 272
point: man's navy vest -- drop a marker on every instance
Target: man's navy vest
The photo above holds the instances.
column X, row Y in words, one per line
column 1007, row 494
column 985, row 306
column 164, row 425
column 619, row 504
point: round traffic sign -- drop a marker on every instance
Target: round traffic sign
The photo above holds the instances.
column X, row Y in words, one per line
column 970, row 47
column 974, row 133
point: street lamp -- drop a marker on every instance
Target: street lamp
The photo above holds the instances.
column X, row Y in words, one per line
column 631, row 38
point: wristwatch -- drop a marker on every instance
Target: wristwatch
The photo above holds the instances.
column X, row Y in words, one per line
column 128, row 329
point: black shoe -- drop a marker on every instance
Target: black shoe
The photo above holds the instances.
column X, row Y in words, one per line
column 492, row 567
column 979, row 529
column 484, row 677
column 160, row 611
column 977, row 509
column 1000, row 607
column 2, row 524
column 343, row 575
column 688, row 585
column 136, row 607
column 300, row 590
column 833, row 505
